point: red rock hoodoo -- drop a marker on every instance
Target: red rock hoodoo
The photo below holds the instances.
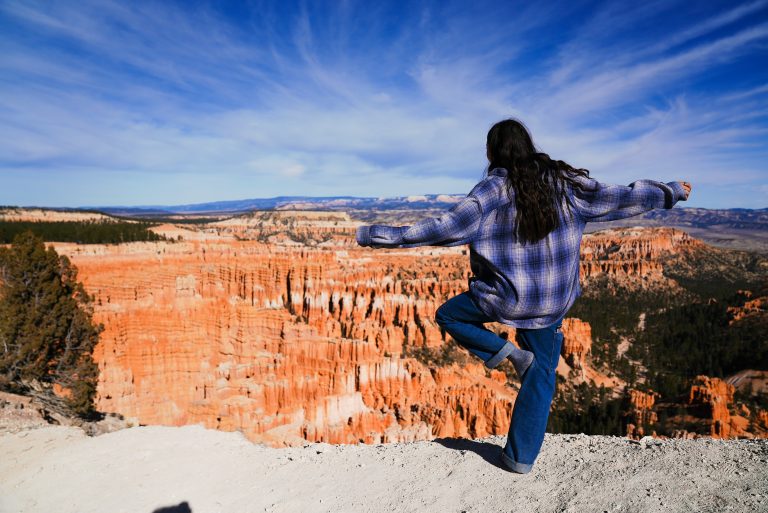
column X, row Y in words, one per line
column 299, row 335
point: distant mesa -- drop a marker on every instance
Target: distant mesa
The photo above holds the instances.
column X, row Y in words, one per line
column 291, row 203
column 741, row 229
column 735, row 228
column 17, row 214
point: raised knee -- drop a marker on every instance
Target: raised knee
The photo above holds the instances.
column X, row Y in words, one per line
column 441, row 316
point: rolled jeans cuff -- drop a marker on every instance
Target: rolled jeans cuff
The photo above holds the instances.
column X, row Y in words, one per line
column 499, row 357
column 521, row 468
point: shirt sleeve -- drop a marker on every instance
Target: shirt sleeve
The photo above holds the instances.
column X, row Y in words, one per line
column 456, row 227
column 608, row 202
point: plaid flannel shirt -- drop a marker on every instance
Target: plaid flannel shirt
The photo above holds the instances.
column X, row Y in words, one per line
column 523, row 285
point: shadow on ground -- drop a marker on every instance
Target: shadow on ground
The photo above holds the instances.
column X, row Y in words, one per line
column 182, row 507
column 491, row 453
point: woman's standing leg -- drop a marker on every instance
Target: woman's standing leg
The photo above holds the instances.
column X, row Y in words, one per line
column 531, row 411
column 463, row 320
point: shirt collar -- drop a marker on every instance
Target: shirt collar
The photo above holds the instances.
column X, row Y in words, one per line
column 498, row 171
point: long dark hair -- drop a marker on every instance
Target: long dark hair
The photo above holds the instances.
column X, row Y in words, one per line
column 537, row 182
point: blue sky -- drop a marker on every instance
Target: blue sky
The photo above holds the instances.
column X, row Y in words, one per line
column 146, row 103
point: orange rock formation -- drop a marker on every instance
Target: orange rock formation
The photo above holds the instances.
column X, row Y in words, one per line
column 710, row 403
column 577, row 341
column 641, row 412
column 632, row 253
column 751, row 308
column 299, row 335
column 713, row 396
column 284, row 344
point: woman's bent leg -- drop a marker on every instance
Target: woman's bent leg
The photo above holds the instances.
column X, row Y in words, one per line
column 531, row 411
column 464, row 322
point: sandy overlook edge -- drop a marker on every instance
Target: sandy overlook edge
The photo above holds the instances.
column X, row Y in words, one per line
column 190, row 468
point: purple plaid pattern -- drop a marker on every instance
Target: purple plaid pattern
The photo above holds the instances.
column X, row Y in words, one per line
column 523, row 285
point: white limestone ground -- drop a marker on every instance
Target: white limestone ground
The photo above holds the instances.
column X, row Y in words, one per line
column 192, row 469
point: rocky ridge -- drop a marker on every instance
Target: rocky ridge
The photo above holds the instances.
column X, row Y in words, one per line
column 303, row 335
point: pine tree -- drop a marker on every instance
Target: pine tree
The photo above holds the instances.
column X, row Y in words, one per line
column 47, row 333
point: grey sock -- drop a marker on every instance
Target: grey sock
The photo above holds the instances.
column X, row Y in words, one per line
column 521, row 360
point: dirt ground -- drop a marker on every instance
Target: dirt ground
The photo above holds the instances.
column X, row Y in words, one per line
column 192, row 469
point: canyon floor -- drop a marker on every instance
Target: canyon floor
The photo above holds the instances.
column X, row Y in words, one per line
column 159, row 469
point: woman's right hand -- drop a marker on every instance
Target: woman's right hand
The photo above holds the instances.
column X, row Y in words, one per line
column 687, row 187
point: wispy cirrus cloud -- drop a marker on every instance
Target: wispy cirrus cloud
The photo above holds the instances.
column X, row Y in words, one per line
column 161, row 103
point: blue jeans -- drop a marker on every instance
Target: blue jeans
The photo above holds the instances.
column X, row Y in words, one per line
column 463, row 320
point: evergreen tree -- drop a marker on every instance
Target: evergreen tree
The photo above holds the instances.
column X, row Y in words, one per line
column 47, row 334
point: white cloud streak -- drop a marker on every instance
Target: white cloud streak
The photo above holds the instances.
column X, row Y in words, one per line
column 320, row 105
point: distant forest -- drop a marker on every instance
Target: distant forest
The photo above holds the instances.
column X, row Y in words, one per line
column 82, row 232
column 680, row 340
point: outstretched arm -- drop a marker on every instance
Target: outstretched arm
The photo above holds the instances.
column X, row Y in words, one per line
column 454, row 228
column 608, row 202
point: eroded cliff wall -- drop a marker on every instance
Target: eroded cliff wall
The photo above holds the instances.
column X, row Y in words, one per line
column 299, row 334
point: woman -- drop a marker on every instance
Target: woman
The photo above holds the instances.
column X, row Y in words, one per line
column 523, row 223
